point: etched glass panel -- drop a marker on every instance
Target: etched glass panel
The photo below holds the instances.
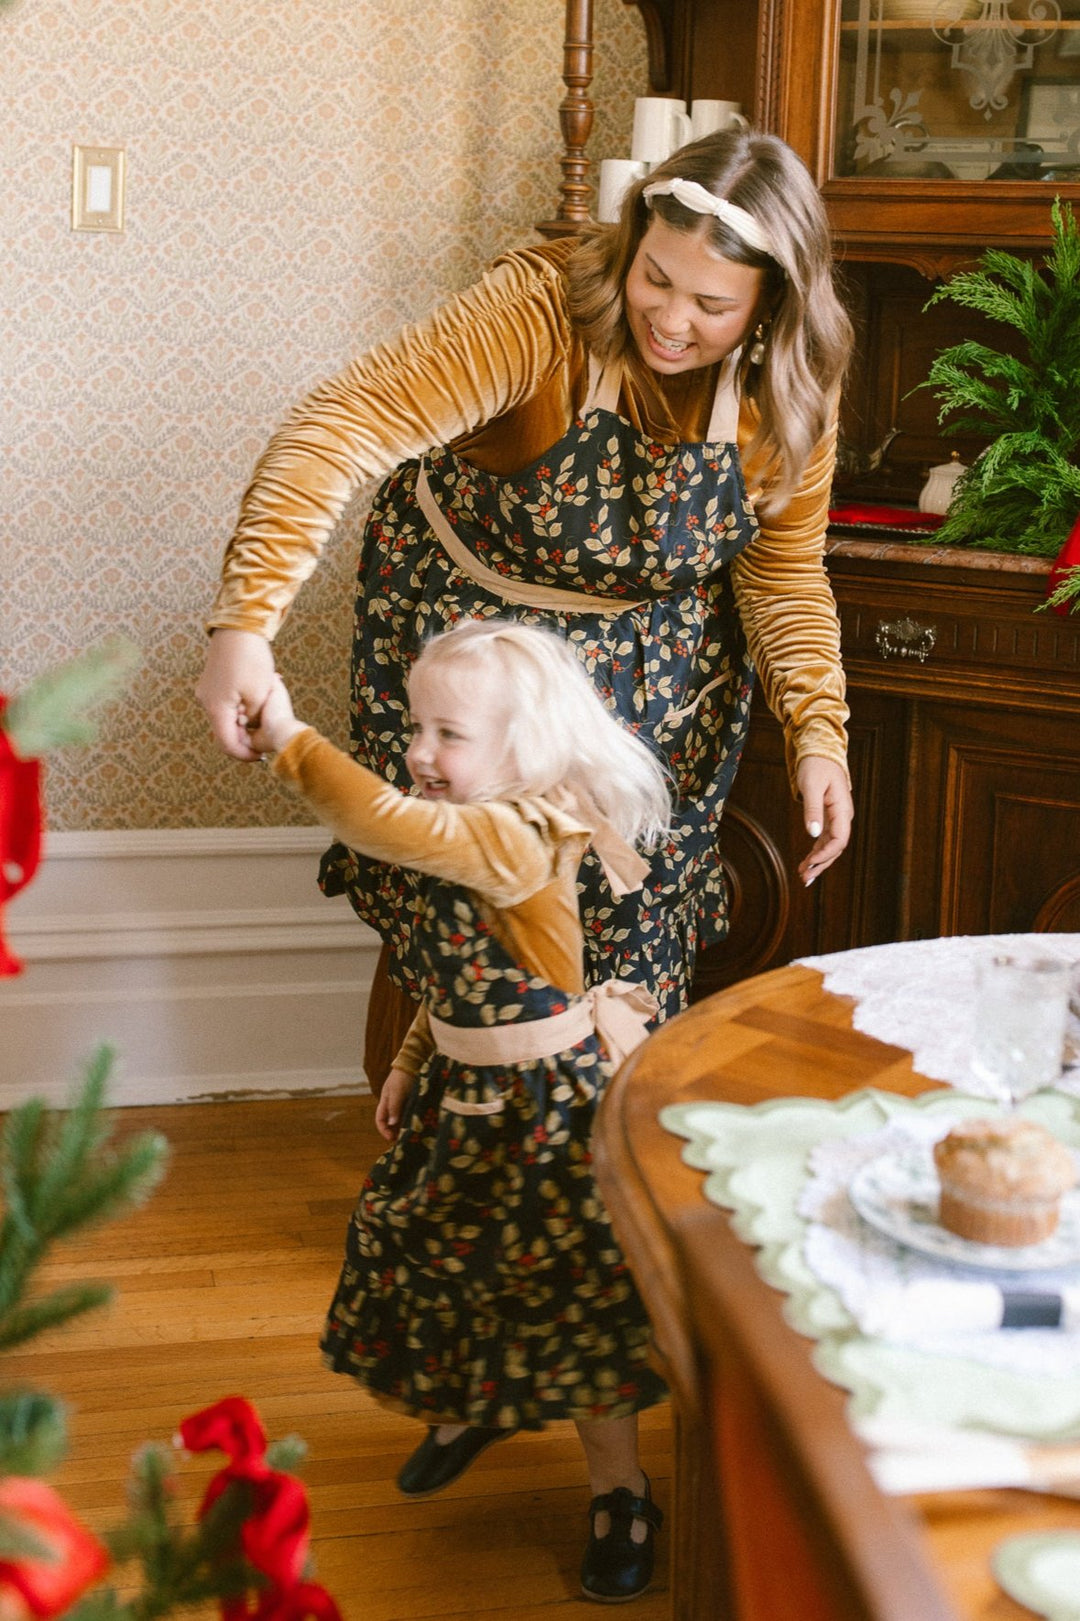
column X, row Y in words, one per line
column 959, row 89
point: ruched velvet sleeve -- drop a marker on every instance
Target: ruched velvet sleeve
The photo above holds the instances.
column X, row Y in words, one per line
column 473, row 360
column 488, row 846
column 790, row 617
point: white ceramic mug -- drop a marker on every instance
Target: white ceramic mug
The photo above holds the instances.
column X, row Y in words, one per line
column 708, row 116
column 661, row 126
column 616, row 175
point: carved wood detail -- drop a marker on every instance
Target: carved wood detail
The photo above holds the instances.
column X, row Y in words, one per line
column 575, row 121
column 658, row 20
column 1060, row 912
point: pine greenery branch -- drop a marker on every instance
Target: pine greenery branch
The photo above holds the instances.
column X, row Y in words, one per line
column 1022, row 494
column 33, row 1432
column 52, row 711
column 59, row 1173
column 1067, row 591
column 179, row 1568
column 16, row 1542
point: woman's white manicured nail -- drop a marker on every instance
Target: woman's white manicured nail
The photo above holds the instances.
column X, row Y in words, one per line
column 814, row 829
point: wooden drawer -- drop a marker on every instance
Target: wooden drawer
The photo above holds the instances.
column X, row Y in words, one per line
column 944, row 629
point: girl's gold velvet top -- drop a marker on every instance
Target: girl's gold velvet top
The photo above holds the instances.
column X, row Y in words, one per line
column 519, row 858
column 498, row 374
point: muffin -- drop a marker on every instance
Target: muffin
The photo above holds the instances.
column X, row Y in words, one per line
column 1002, row 1180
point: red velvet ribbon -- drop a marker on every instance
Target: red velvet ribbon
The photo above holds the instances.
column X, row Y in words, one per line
column 20, row 832
column 274, row 1537
column 891, row 517
column 48, row 1585
column 1067, row 558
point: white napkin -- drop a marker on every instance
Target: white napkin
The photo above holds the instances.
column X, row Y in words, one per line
column 906, row 1313
column 913, row 1457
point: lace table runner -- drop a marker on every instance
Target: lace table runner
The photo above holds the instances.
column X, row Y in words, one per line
column 781, row 1168
column 920, row 994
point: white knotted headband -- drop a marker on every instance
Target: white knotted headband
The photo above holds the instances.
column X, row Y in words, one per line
column 700, row 201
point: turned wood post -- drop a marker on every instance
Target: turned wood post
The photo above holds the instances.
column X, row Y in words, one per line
column 575, row 120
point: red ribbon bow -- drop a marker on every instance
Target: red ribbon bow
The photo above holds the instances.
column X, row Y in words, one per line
column 20, row 831
column 49, row 1585
column 274, row 1537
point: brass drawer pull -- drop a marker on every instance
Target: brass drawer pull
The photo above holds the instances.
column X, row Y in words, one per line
column 905, row 639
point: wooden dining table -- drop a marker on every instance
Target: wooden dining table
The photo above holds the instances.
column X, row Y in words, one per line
column 780, row 1034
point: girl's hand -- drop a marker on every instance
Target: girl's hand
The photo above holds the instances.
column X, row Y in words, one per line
column 396, row 1088
column 233, row 686
column 276, row 723
column 827, row 812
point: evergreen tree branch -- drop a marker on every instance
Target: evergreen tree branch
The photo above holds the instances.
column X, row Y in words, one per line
column 52, row 711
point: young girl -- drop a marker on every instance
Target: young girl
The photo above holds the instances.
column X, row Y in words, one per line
column 483, row 1289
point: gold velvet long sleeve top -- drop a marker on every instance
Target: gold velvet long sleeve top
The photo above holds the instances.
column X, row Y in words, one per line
column 519, row 859
column 498, row 375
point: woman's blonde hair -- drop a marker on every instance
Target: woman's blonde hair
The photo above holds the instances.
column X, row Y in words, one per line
column 558, row 731
column 808, row 338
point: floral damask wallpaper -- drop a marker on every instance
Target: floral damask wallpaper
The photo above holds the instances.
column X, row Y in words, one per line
column 302, row 176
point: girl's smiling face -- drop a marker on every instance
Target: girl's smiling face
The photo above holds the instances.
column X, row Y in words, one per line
column 687, row 306
column 458, row 745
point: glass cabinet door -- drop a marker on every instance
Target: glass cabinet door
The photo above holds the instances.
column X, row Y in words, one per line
column 969, row 90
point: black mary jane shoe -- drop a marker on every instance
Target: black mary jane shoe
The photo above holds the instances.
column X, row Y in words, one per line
column 617, row 1569
column 432, row 1466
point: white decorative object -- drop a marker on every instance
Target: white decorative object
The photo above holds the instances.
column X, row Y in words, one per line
column 937, row 492
column 617, row 175
column 708, row 116
column 661, row 126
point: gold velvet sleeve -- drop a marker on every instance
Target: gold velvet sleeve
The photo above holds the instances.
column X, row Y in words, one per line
column 491, row 348
column 488, row 847
column 417, row 1045
column 789, row 614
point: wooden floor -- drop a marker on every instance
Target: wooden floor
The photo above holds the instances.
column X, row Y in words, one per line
column 223, row 1280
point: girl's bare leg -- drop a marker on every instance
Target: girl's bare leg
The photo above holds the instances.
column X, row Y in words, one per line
column 611, row 1453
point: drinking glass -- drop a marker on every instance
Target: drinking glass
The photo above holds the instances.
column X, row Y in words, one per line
column 1021, row 1007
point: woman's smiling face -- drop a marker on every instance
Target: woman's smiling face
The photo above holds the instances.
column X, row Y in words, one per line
column 687, row 306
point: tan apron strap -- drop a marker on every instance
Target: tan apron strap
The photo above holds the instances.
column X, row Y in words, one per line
column 605, row 384
column 517, row 591
column 723, row 426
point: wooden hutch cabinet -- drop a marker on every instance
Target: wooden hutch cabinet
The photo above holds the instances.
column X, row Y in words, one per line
column 965, row 701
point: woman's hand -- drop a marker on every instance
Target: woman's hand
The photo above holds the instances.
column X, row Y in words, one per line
column 232, row 689
column 827, row 812
column 276, row 723
column 396, row 1088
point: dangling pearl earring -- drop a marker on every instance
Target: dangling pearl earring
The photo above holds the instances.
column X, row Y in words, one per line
column 757, row 352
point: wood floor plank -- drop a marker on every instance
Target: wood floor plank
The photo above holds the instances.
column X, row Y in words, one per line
column 223, row 1279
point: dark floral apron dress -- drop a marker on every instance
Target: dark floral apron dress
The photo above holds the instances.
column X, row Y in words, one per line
column 620, row 544
column 482, row 1283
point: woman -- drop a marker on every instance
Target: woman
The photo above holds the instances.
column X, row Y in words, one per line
column 628, row 438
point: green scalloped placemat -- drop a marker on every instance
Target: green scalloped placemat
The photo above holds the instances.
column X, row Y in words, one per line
column 1042, row 1570
column 755, row 1157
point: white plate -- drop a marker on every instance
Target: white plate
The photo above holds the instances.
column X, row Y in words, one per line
column 898, row 1194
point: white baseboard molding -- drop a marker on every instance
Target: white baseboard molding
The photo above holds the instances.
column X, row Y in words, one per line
column 205, row 957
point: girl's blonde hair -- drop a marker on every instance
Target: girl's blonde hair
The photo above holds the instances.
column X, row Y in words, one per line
column 809, row 335
column 558, row 732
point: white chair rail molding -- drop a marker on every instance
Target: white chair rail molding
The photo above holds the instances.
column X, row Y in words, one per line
column 206, row 957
